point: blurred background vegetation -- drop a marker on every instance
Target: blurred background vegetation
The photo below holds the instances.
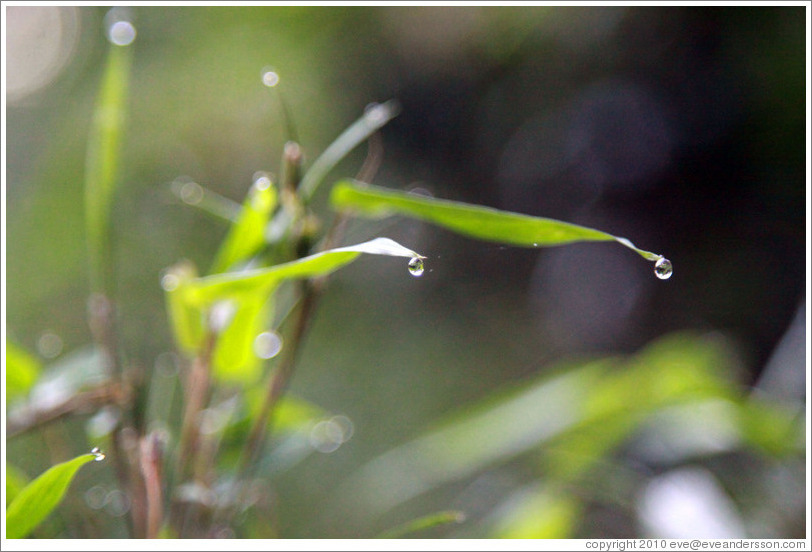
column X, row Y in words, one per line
column 681, row 128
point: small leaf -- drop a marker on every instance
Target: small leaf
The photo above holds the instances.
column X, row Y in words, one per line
column 374, row 118
column 22, row 371
column 247, row 235
column 250, row 295
column 38, row 499
column 423, row 523
column 475, row 221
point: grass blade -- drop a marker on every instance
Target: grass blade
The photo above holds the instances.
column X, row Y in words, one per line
column 41, row 496
column 475, row 221
column 373, row 119
column 101, row 165
column 423, row 523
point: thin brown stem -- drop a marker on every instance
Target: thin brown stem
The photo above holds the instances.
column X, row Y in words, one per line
column 151, row 461
column 198, row 383
column 30, row 418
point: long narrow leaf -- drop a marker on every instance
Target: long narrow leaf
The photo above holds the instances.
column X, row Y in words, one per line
column 567, row 413
column 476, row 221
column 421, row 524
column 101, row 166
column 375, row 117
column 248, row 295
column 41, row 496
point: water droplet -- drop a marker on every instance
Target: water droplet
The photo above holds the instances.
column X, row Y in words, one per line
column 262, row 180
column 416, row 266
column 49, row 345
column 170, row 281
column 98, row 454
column 270, row 78
column 663, row 268
column 267, row 345
column 120, row 30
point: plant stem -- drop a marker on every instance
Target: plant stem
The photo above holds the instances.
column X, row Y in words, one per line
column 151, row 460
column 281, row 376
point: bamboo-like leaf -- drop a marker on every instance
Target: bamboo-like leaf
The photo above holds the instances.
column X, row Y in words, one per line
column 41, row 496
column 475, row 221
column 101, row 166
column 249, row 297
column 579, row 415
column 247, row 235
column 374, row 118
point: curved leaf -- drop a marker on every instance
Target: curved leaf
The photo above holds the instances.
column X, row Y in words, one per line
column 476, row 221
column 248, row 296
column 41, row 496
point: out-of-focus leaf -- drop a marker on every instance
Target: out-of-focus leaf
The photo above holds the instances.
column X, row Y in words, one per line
column 16, row 481
column 208, row 201
column 421, row 524
column 22, row 371
column 374, row 118
column 247, row 235
column 101, row 165
column 247, row 297
column 41, row 496
column 578, row 415
column 475, row 221
column 775, row 428
column 537, row 512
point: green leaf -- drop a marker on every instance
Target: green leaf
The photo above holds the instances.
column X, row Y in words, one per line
column 538, row 512
column 248, row 296
column 101, row 165
column 578, row 414
column 22, row 371
column 484, row 223
column 247, row 235
column 41, row 496
column 421, row 524
column 374, row 118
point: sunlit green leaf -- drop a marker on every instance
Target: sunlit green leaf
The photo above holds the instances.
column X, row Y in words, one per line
column 41, row 496
column 374, row 118
column 247, row 235
column 248, row 298
column 538, row 512
column 22, row 371
column 101, row 165
column 475, row 221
